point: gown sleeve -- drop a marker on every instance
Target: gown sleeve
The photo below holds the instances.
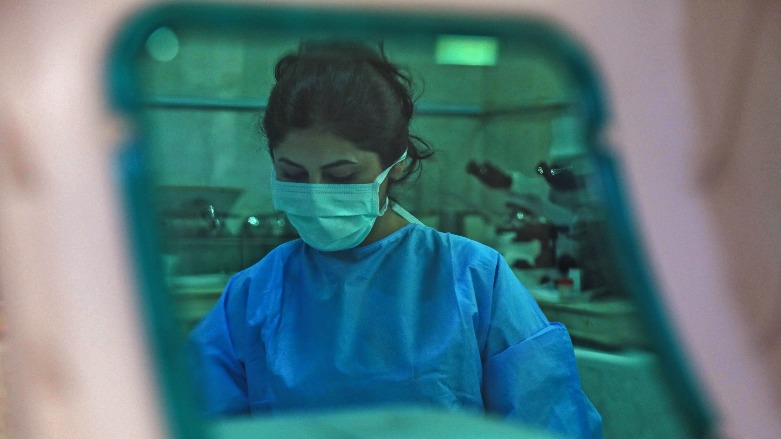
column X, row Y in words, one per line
column 219, row 374
column 529, row 370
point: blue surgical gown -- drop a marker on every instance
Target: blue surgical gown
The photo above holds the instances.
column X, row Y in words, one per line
column 418, row 318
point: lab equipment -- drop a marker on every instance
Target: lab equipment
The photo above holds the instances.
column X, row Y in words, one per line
column 491, row 175
column 561, row 178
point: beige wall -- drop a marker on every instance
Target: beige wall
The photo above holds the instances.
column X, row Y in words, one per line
column 695, row 90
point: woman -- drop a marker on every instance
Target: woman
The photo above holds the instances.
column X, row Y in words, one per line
column 371, row 307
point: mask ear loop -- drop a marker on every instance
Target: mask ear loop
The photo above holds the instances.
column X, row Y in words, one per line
column 384, row 175
column 380, row 178
column 401, row 162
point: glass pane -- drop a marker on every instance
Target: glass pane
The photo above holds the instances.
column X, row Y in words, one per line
column 514, row 114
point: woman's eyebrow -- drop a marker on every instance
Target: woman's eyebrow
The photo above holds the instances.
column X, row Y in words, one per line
column 327, row 166
column 290, row 163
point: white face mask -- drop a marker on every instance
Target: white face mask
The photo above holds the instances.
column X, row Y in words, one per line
column 331, row 217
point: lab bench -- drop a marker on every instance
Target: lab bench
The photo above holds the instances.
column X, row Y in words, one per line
column 216, row 254
column 200, row 268
column 612, row 323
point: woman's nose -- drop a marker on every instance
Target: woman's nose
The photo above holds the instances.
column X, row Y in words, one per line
column 315, row 178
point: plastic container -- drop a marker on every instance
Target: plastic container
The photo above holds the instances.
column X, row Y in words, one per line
column 566, row 288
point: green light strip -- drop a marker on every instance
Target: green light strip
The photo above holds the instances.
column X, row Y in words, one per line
column 467, row 50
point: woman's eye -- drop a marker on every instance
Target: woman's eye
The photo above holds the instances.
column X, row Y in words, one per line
column 341, row 178
column 286, row 176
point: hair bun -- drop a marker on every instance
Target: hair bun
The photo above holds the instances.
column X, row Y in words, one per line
column 350, row 89
column 283, row 65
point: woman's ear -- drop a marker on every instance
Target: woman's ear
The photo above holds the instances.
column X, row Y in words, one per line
column 396, row 171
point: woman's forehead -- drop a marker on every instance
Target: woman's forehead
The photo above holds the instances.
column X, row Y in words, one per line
column 317, row 147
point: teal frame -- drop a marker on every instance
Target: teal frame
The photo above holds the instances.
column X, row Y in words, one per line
column 134, row 171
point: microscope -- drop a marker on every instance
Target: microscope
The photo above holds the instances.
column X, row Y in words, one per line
column 550, row 215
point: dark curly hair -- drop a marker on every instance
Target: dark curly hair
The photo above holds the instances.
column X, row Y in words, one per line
column 349, row 90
